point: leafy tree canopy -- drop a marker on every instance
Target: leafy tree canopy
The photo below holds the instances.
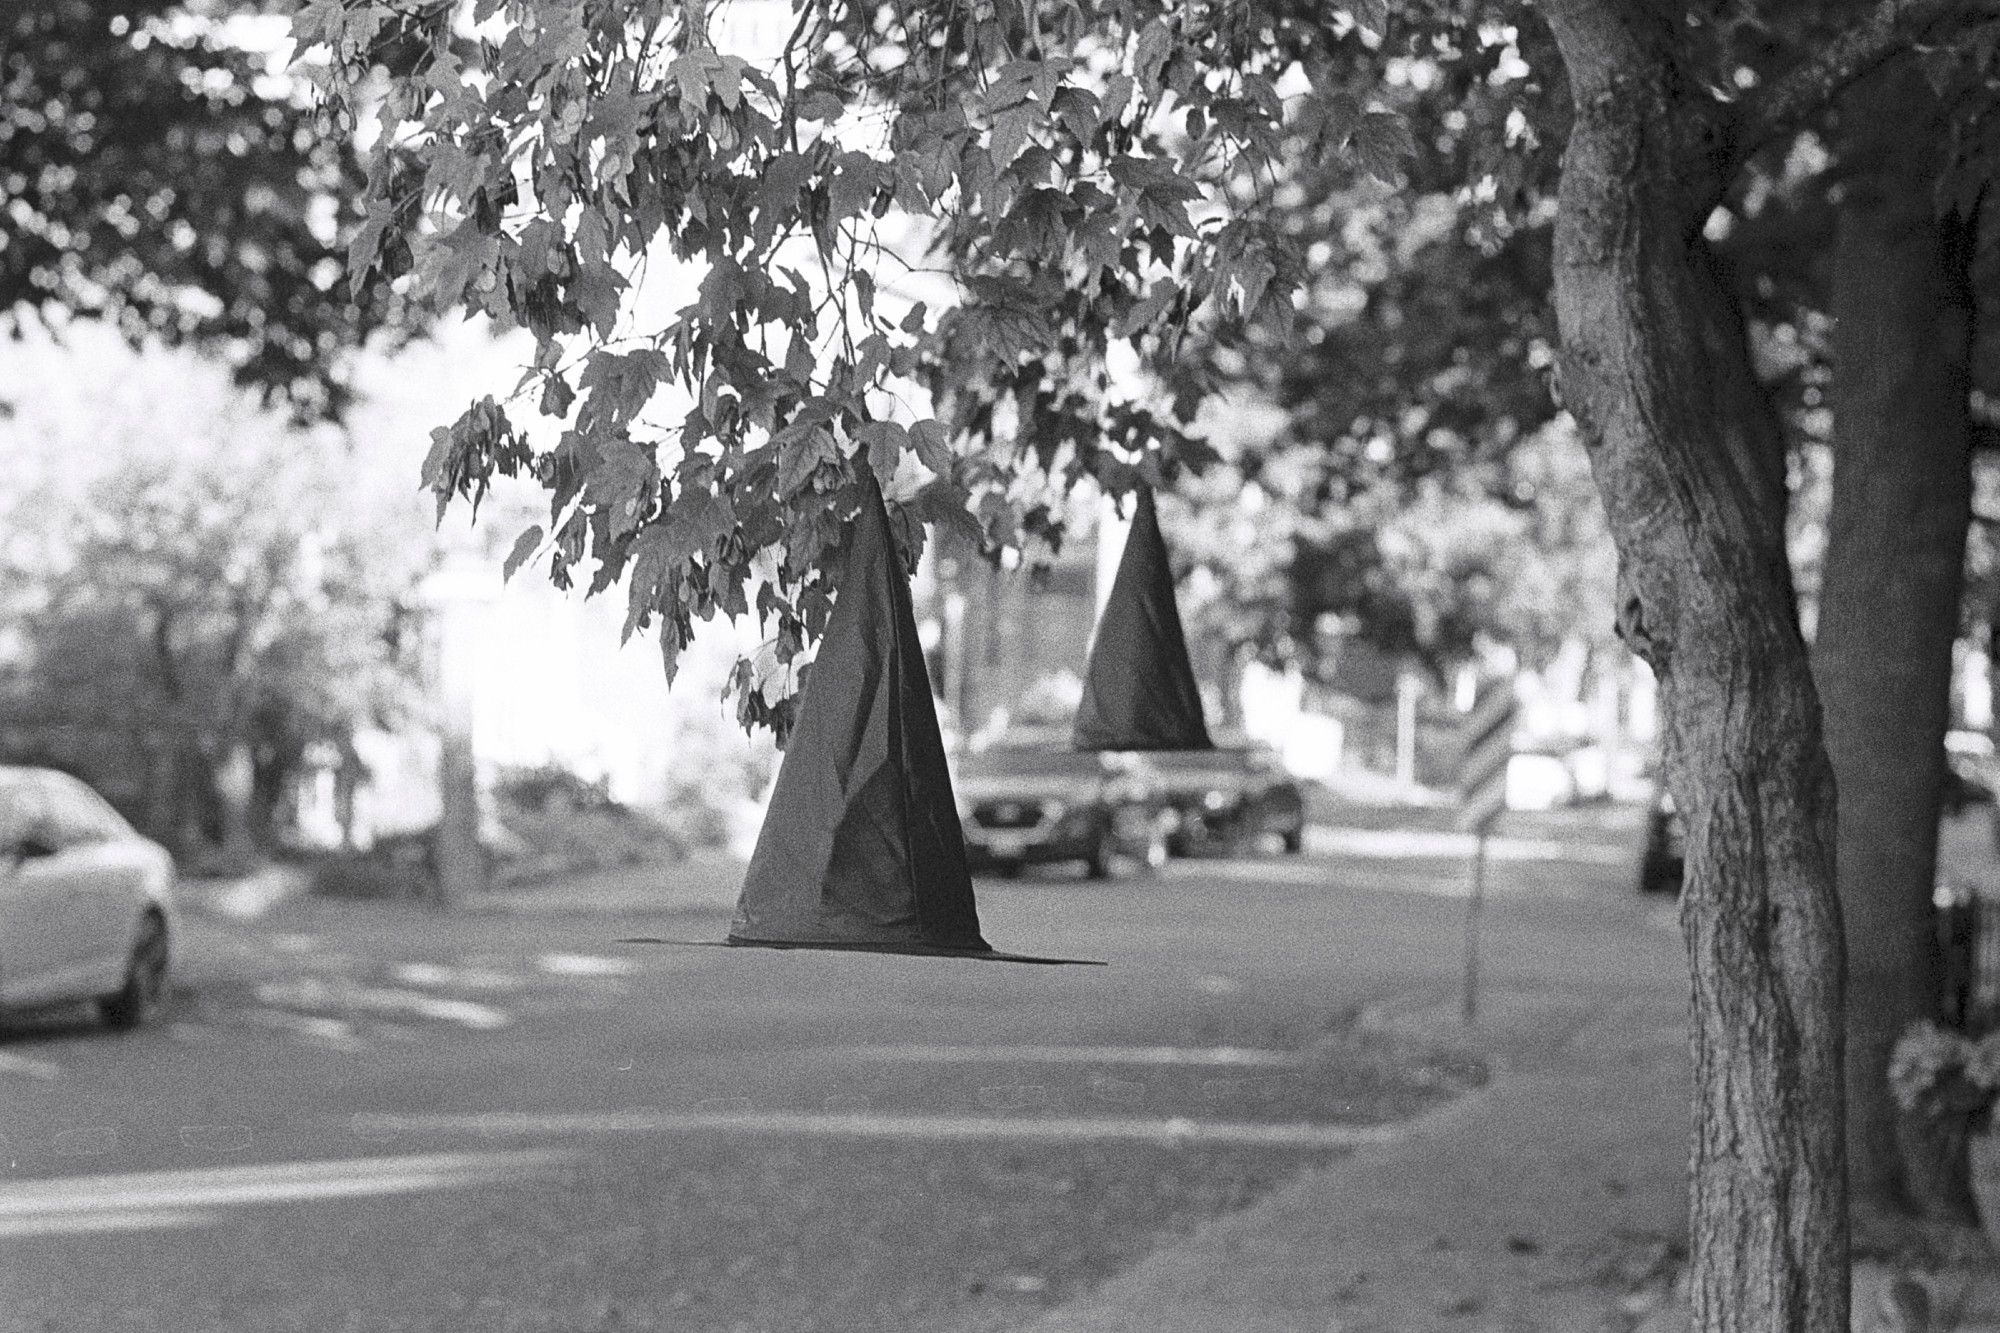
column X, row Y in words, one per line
column 972, row 245
column 1067, row 181
column 159, row 170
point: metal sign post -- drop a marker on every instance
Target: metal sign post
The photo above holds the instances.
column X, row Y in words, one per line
column 1486, row 750
column 1473, row 905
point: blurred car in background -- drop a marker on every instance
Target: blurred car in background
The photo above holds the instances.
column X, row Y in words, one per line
column 1970, row 778
column 1972, row 774
column 1232, row 796
column 1024, row 802
column 86, row 902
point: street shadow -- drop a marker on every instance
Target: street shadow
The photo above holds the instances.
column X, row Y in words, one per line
column 45, row 1024
column 34, row 1027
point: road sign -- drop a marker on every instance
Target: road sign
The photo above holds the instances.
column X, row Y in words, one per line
column 1486, row 748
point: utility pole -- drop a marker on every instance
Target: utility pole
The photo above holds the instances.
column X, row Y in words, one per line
column 456, row 595
column 1408, row 687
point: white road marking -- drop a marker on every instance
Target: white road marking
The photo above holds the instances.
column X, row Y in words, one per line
column 72, row 1224
column 156, row 1192
column 1412, row 844
column 29, row 1067
column 1174, row 1130
column 584, row 965
column 335, row 1032
column 313, row 993
column 1080, row 1055
column 448, row 977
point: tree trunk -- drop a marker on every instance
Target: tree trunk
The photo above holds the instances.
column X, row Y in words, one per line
column 235, row 784
column 1889, row 607
column 1687, row 455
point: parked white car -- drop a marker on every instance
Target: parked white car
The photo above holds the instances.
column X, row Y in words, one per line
column 86, row 902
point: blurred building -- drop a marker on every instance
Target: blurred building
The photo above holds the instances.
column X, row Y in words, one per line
column 1003, row 643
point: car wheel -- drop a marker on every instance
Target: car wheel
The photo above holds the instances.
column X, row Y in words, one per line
column 144, row 993
column 1103, row 851
column 1294, row 839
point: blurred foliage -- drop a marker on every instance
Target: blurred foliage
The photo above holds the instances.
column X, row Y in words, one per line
column 550, row 788
column 183, row 582
column 1415, row 484
column 1394, row 470
column 162, row 172
column 693, row 811
column 553, row 844
column 1515, row 554
column 371, row 875
column 548, row 823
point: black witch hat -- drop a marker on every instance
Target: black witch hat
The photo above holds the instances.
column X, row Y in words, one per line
column 861, row 847
column 1138, row 690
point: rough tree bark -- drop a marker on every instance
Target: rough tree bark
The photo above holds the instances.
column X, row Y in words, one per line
column 1889, row 605
column 1687, row 456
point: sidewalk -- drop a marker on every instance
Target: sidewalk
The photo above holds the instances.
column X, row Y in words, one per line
column 704, row 881
column 1552, row 1200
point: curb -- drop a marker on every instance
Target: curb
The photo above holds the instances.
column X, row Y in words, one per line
column 1515, row 1024
column 252, row 898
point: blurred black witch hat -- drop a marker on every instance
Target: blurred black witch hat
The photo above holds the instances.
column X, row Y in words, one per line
column 1138, row 690
column 861, row 847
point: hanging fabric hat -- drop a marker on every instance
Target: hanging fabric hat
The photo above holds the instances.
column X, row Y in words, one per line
column 1138, row 690
column 861, row 847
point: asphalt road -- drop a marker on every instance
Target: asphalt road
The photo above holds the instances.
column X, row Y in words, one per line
column 364, row 1118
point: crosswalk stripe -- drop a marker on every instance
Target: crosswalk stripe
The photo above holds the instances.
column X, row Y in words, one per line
column 266, row 1182
column 314, row 993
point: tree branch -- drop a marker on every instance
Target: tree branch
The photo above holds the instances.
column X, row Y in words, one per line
column 1807, row 88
